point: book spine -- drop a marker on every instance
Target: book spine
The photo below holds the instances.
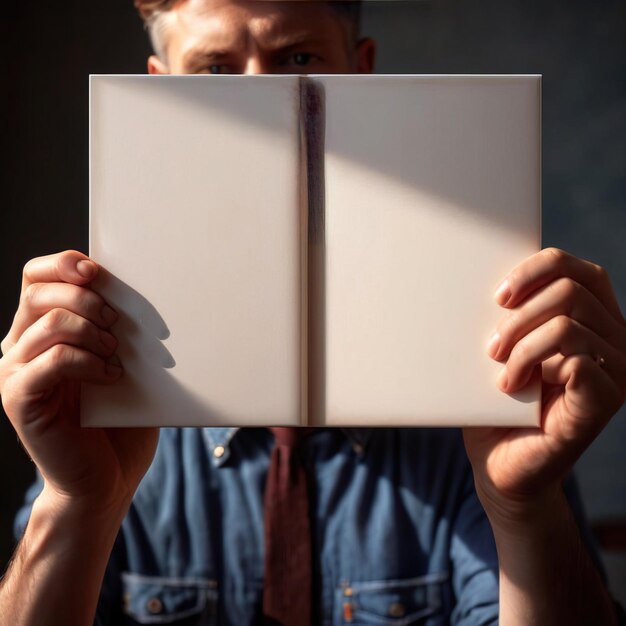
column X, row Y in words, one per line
column 312, row 135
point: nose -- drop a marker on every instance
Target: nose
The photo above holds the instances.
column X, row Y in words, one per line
column 256, row 65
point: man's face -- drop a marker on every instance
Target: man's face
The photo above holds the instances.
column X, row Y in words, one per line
column 260, row 37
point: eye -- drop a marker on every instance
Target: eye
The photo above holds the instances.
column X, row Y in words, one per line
column 301, row 58
column 219, row 69
column 215, row 68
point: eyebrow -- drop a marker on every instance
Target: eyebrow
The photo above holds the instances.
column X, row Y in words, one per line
column 281, row 44
column 199, row 57
column 288, row 45
column 287, row 42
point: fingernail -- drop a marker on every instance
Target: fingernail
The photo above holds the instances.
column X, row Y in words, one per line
column 494, row 345
column 108, row 341
column 503, row 380
column 108, row 315
column 86, row 269
column 503, row 293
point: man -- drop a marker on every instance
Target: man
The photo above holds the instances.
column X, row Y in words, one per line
column 398, row 534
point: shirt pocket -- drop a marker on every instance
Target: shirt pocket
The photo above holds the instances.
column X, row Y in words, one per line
column 405, row 602
column 160, row 600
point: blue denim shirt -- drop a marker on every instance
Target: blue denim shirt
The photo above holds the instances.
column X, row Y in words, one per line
column 399, row 536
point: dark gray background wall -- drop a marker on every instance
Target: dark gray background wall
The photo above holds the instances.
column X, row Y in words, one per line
column 47, row 51
column 580, row 49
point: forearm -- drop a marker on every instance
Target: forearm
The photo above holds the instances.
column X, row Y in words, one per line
column 57, row 570
column 547, row 576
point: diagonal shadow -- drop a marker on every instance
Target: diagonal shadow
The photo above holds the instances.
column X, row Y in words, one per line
column 141, row 332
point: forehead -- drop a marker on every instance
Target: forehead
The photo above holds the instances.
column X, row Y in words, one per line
column 227, row 23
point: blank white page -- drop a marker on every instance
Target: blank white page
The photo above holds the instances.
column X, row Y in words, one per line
column 195, row 214
column 432, row 196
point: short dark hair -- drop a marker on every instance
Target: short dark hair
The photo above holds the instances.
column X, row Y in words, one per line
column 350, row 9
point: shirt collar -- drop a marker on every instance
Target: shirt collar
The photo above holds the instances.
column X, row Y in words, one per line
column 218, row 441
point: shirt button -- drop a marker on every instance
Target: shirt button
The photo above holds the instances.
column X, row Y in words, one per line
column 396, row 609
column 154, row 606
column 218, row 452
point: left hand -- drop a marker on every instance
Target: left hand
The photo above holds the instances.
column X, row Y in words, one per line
column 563, row 317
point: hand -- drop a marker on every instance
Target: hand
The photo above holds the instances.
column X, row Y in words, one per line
column 61, row 337
column 563, row 321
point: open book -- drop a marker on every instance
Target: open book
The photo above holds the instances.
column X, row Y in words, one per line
column 317, row 250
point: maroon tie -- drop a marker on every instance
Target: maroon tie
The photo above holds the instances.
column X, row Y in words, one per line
column 287, row 585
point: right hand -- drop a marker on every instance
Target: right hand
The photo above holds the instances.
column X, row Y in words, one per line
column 60, row 337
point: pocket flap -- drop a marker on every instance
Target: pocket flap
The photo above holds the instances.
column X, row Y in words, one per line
column 393, row 602
column 159, row 600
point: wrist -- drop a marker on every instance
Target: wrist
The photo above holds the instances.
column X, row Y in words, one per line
column 546, row 575
column 79, row 512
column 63, row 554
column 515, row 515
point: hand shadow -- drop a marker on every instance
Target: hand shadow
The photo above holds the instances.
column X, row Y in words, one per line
column 147, row 394
column 140, row 327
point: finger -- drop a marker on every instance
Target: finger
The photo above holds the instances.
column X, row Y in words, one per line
column 39, row 298
column 563, row 296
column 70, row 266
column 29, row 384
column 551, row 370
column 549, row 265
column 60, row 326
column 589, row 390
column 587, row 397
column 560, row 335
